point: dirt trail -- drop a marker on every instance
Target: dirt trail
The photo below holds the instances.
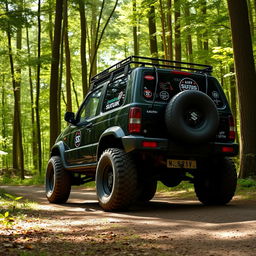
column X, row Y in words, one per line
column 165, row 226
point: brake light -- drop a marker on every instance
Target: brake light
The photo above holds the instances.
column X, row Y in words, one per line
column 134, row 124
column 176, row 72
column 227, row 149
column 232, row 129
column 149, row 144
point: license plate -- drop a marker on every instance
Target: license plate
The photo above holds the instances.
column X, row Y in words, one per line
column 184, row 164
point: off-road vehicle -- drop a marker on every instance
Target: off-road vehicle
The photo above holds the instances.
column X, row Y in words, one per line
column 146, row 120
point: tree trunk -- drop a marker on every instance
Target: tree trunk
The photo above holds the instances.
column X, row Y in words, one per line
column 54, row 80
column 50, row 22
column 18, row 158
column 83, row 47
column 99, row 35
column 189, row 45
column 205, row 35
column 93, row 53
column 67, row 54
column 233, row 97
column 177, row 31
column 135, row 29
column 163, row 30
column 169, row 28
column 246, row 77
column 250, row 13
column 33, row 124
column 152, row 30
column 38, row 70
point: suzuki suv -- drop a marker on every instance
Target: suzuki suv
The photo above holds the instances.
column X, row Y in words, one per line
column 146, row 120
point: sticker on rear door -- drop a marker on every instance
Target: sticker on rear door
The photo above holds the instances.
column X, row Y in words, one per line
column 188, row 84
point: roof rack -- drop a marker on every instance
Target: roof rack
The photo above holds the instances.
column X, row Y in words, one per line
column 125, row 66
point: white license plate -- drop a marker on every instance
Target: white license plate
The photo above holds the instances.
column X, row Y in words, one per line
column 185, row 164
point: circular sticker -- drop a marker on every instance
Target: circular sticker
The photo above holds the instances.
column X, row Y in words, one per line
column 149, row 77
column 147, row 94
column 164, row 95
column 188, row 84
column 77, row 139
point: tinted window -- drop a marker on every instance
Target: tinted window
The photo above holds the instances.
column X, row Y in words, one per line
column 115, row 94
column 169, row 84
column 89, row 109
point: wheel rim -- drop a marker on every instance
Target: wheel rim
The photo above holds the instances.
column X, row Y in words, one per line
column 108, row 180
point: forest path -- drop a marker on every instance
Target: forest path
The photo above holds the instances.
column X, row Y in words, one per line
column 165, row 226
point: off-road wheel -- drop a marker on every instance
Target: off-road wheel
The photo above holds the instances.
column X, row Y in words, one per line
column 116, row 180
column 57, row 181
column 217, row 185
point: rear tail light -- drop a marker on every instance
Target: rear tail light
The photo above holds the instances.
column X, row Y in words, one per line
column 149, row 144
column 232, row 129
column 227, row 149
column 134, row 124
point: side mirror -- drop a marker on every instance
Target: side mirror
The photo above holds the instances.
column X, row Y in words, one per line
column 70, row 117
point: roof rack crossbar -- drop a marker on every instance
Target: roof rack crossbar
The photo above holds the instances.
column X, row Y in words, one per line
column 138, row 60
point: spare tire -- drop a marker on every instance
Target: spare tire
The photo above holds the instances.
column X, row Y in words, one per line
column 192, row 117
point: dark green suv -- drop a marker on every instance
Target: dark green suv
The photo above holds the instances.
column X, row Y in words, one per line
column 145, row 120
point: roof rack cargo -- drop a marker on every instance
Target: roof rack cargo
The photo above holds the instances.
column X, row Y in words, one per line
column 125, row 65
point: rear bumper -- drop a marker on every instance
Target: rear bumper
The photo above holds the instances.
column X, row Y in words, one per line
column 140, row 143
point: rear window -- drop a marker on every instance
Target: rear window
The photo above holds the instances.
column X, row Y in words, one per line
column 170, row 84
column 115, row 94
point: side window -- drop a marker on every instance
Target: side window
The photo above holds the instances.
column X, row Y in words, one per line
column 115, row 94
column 90, row 107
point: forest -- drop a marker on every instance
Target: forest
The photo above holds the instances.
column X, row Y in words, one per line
column 50, row 50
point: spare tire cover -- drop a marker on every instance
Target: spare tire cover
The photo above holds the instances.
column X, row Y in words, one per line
column 192, row 117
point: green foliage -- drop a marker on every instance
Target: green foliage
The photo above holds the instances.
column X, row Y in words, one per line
column 11, row 201
column 35, row 179
column 247, row 183
column 6, row 219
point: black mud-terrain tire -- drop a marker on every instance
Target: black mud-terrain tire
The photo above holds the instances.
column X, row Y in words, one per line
column 147, row 189
column 192, row 117
column 217, row 185
column 57, row 181
column 116, row 180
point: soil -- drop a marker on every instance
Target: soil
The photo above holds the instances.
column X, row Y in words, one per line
column 167, row 225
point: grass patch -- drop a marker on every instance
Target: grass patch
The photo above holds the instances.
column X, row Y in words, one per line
column 246, row 189
column 15, row 180
column 13, row 208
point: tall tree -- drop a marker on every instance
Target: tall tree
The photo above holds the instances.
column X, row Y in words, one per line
column 32, row 102
column 162, row 16
column 177, row 30
column 67, row 54
column 18, row 157
column 169, row 29
column 152, row 29
column 246, row 77
column 54, row 80
column 135, row 28
column 38, row 71
column 83, row 25
column 98, row 37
